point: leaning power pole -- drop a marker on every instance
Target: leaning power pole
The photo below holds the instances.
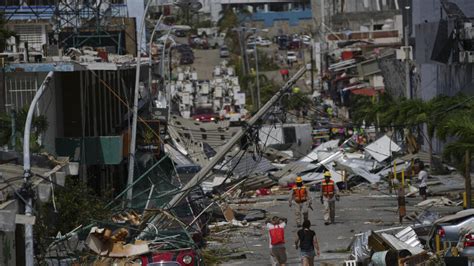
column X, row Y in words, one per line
column 202, row 174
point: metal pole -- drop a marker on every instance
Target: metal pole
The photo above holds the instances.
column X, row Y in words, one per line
column 312, row 64
column 242, row 51
column 256, row 74
column 407, row 54
column 29, row 251
column 407, row 66
column 13, row 134
column 202, row 174
column 149, row 53
column 323, row 37
column 131, row 159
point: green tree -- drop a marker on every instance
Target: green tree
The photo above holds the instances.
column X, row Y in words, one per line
column 459, row 125
column 38, row 127
column 76, row 205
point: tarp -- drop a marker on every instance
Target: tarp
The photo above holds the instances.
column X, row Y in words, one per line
column 382, row 148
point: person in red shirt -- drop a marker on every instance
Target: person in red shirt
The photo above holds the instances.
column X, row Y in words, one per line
column 284, row 74
column 276, row 234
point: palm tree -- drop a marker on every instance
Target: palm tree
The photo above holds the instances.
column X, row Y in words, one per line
column 460, row 125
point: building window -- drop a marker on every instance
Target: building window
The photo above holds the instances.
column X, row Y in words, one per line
column 289, row 135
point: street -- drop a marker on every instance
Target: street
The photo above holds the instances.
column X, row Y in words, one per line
column 356, row 212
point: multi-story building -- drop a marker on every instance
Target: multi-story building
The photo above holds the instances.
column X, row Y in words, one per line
column 275, row 15
column 444, row 53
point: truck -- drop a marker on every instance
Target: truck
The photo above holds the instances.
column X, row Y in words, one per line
column 215, row 38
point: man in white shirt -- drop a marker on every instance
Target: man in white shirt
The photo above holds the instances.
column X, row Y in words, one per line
column 276, row 235
column 423, row 179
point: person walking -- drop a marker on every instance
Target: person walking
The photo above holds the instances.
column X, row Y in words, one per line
column 284, row 74
column 300, row 195
column 276, row 232
column 307, row 242
column 423, row 179
column 329, row 194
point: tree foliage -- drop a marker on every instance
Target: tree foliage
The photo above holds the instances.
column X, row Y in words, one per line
column 76, row 205
column 39, row 126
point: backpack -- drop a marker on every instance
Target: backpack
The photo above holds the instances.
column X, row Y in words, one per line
column 277, row 235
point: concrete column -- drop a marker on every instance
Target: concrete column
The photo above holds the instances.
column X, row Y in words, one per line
column 265, row 8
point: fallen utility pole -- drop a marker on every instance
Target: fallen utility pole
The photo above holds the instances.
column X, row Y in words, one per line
column 202, row 174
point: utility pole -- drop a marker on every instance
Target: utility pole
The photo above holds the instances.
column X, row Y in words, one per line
column 26, row 191
column 467, row 180
column 131, row 159
column 256, row 74
column 407, row 55
column 202, row 174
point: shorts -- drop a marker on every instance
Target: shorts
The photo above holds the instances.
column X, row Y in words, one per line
column 279, row 254
column 308, row 254
column 422, row 191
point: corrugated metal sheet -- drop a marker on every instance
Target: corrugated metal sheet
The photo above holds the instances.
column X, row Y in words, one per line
column 177, row 157
column 199, row 140
column 409, row 236
column 247, row 165
column 294, row 168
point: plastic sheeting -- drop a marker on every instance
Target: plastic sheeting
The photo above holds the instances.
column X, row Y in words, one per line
column 360, row 249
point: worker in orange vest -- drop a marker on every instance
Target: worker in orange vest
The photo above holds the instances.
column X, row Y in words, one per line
column 300, row 195
column 329, row 194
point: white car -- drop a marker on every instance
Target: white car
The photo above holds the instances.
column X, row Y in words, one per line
column 264, row 42
column 250, row 48
column 291, row 56
column 306, row 39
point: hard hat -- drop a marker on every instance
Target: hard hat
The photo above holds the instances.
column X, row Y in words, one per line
column 296, row 90
column 327, row 174
column 299, row 179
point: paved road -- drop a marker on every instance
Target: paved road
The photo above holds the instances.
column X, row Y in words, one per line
column 355, row 213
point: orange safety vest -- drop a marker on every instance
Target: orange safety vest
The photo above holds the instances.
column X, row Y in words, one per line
column 328, row 188
column 300, row 194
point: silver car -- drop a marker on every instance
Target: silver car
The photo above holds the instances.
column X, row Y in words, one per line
column 224, row 52
column 451, row 230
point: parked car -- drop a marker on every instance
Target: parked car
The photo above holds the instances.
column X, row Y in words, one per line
column 264, row 42
column 295, row 44
column 224, row 52
column 183, row 47
column 291, row 57
column 259, row 41
column 306, row 39
column 180, row 33
column 250, row 48
column 205, row 115
column 177, row 248
column 176, row 257
column 186, row 59
column 448, row 229
column 283, row 42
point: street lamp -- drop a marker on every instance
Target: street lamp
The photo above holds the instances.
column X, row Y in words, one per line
column 131, row 160
column 29, row 251
column 149, row 52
